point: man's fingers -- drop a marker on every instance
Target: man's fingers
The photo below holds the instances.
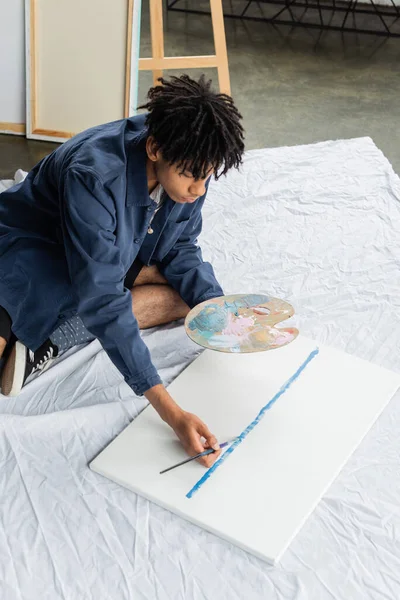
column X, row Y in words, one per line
column 196, row 444
column 208, row 459
column 210, row 438
column 213, row 443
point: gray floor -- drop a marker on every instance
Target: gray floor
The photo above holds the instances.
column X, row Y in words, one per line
column 292, row 85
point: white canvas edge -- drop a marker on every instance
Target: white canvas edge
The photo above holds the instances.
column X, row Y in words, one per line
column 134, row 74
column 47, row 138
column 272, row 561
column 9, row 132
column 336, row 474
column 135, row 54
column 182, row 515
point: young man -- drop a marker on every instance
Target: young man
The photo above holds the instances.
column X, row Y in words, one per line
column 100, row 241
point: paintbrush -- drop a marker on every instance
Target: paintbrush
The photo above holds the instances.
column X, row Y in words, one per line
column 209, row 451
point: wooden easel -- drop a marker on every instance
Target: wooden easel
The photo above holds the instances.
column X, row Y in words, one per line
column 158, row 62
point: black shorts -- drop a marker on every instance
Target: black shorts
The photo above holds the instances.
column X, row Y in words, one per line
column 5, row 324
column 132, row 273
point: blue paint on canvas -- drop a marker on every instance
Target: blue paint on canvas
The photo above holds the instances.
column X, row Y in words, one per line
column 250, row 427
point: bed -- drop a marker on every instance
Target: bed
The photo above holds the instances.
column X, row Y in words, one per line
column 317, row 225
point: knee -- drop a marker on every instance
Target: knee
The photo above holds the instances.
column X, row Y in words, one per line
column 150, row 275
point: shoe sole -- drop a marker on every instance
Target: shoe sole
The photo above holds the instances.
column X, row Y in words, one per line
column 12, row 378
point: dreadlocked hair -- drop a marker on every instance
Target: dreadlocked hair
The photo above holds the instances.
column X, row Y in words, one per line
column 194, row 127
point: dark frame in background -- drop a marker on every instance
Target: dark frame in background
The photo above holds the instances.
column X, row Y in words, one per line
column 317, row 14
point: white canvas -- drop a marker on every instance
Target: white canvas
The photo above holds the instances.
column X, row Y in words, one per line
column 95, row 80
column 261, row 495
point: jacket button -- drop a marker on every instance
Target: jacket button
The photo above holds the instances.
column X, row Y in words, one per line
column 149, row 208
column 137, row 241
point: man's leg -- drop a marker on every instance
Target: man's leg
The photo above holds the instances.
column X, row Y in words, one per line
column 154, row 302
column 157, row 304
column 148, row 276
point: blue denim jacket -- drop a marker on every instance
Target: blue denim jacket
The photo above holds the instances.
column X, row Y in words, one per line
column 70, row 232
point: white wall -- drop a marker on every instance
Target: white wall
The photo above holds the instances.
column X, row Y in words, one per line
column 12, row 61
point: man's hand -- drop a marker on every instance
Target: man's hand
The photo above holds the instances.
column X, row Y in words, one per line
column 189, row 430
column 188, row 427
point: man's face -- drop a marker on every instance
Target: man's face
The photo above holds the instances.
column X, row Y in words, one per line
column 180, row 187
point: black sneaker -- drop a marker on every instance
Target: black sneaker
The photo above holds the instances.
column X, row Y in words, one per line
column 5, row 335
column 22, row 362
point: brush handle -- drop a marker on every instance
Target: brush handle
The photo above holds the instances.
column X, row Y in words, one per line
column 183, row 462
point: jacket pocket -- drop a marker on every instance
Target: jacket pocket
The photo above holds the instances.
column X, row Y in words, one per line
column 169, row 237
column 181, row 220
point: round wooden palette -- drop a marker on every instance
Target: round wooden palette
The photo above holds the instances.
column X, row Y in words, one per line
column 240, row 323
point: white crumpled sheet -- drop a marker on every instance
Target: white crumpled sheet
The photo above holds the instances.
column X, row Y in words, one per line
column 318, row 225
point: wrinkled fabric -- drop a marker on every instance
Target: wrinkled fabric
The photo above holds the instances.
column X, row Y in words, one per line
column 317, row 225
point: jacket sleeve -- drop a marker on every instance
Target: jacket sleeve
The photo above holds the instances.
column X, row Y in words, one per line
column 97, row 275
column 184, row 268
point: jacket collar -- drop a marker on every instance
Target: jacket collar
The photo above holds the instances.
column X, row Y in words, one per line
column 137, row 192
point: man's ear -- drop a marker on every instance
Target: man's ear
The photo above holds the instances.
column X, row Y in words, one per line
column 151, row 149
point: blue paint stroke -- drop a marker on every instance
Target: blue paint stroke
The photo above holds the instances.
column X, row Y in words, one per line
column 244, row 433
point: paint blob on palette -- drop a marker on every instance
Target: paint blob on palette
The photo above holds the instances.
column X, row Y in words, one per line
column 241, row 323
